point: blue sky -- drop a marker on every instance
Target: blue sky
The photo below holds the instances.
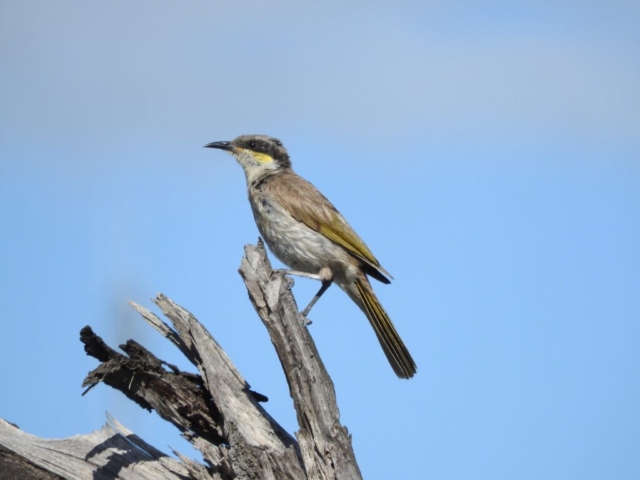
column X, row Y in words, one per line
column 487, row 152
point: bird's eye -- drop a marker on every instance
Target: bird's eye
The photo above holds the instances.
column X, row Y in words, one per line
column 252, row 144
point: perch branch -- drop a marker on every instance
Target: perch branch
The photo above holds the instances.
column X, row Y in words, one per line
column 214, row 409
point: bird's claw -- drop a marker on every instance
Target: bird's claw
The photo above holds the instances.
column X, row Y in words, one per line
column 290, row 281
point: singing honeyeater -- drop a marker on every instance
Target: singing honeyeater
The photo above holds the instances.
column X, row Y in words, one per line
column 309, row 235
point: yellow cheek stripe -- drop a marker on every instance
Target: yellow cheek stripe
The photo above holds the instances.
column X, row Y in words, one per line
column 262, row 157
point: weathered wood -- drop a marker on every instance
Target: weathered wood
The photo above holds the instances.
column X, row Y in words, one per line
column 325, row 444
column 178, row 397
column 215, row 409
column 257, row 446
column 112, row 452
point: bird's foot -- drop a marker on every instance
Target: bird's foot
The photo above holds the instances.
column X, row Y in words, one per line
column 325, row 285
column 297, row 273
column 290, row 281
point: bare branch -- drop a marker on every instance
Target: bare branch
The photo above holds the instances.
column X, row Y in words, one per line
column 112, row 452
column 214, row 409
column 325, row 444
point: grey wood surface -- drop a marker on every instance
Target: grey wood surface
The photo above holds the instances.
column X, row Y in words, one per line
column 215, row 408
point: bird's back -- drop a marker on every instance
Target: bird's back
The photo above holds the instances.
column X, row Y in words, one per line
column 289, row 209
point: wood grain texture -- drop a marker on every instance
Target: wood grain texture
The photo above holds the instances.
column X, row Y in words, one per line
column 112, row 452
column 214, row 409
column 325, row 444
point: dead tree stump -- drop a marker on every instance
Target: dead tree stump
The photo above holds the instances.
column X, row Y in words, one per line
column 215, row 409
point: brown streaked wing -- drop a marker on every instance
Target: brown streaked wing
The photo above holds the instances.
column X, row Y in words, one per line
column 307, row 205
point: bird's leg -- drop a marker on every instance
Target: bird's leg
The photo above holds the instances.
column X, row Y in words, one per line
column 325, row 285
column 326, row 276
column 297, row 273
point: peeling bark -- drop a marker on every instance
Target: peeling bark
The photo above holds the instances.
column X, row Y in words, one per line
column 214, row 409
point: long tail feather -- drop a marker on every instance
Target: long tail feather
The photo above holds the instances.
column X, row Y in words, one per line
column 393, row 346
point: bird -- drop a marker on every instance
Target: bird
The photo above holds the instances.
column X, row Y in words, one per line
column 311, row 237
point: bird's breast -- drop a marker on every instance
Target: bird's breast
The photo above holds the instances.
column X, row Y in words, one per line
column 296, row 245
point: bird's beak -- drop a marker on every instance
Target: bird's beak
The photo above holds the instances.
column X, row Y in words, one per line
column 221, row 145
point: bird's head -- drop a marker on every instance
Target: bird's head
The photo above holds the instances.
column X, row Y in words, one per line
column 257, row 154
